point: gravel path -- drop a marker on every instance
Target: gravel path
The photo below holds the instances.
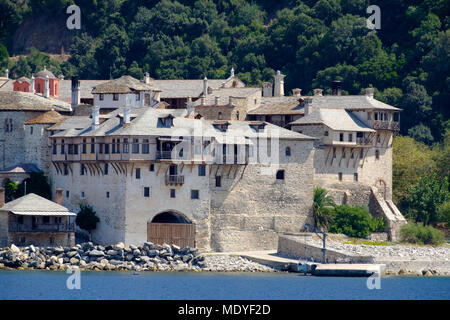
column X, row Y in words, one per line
column 231, row 263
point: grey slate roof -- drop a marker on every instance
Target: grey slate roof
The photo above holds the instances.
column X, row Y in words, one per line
column 22, row 168
column 146, row 124
column 26, row 101
column 224, row 95
column 350, row 102
column 124, row 84
column 65, row 89
column 278, row 105
column 336, row 119
column 44, row 73
column 34, row 203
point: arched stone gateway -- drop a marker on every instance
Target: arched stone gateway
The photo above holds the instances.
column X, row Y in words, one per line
column 172, row 228
column 381, row 186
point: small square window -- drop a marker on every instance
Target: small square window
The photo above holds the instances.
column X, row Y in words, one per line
column 340, row 176
column 194, row 194
column 326, row 134
column 147, row 192
column 101, row 97
column 115, row 96
column 172, row 193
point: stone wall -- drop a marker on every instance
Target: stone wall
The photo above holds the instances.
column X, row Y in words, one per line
column 3, row 229
column 37, row 148
column 295, row 247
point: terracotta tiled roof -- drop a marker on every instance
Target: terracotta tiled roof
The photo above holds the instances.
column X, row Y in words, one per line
column 50, row 117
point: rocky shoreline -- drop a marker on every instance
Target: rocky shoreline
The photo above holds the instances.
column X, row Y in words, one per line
column 147, row 257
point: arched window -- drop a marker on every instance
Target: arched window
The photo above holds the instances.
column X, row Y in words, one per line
column 219, row 116
column 288, row 151
column 237, row 115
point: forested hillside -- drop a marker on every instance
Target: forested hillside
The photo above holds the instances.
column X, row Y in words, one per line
column 312, row 42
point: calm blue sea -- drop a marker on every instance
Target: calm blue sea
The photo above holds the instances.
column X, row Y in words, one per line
column 125, row 285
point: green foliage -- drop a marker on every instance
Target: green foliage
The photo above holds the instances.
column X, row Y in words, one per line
column 419, row 234
column 355, row 222
column 86, row 218
column 444, row 213
column 421, row 133
column 37, row 183
column 322, row 208
column 10, row 190
column 427, row 195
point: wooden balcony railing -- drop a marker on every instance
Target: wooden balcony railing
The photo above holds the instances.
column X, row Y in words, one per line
column 386, row 125
column 58, row 227
column 174, row 179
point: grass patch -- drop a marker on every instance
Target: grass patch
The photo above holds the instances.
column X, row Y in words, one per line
column 367, row 243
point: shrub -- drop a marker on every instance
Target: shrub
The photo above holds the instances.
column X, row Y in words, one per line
column 419, row 234
column 352, row 221
column 444, row 213
column 377, row 224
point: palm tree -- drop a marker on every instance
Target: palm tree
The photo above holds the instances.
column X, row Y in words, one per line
column 322, row 208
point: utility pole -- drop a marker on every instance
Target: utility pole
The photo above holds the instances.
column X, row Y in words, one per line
column 324, row 249
column 25, row 187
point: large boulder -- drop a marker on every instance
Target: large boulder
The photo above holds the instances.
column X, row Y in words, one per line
column 96, row 253
column 14, row 249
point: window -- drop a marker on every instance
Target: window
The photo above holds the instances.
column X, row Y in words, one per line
column 138, row 96
column 67, row 193
column 66, row 170
column 152, row 167
column 138, row 173
column 219, row 116
column 288, row 151
column 62, row 146
column 31, row 130
column 106, row 169
column 100, row 148
column 172, row 193
column 145, row 146
column 46, row 219
column 100, row 97
column 82, row 169
column 113, row 145
column 118, row 146
column 173, row 170
column 280, row 175
column 83, row 148
column 58, row 219
column 115, row 96
column 82, row 194
column 107, row 194
column 218, row 181
column 135, row 146
column 146, row 192
column 92, row 145
column 106, row 148
column 341, row 137
column 340, row 176
column 377, row 154
column 70, row 148
column 75, row 149
column 350, row 137
column 375, row 116
column 125, row 145
column 355, row 176
column 326, row 134
column 54, row 147
column 20, row 220
column 194, row 194
column 201, row 170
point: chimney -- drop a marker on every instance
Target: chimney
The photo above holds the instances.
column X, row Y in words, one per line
column 267, row 89
column 7, row 73
column 75, row 92
column 336, row 88
column 318, row 92
column 2, row 197
column 95, row 117
column 202, row 101
column 230, row 100
column 308, row 106
column 32, row 85
column 47, row 87
column 126, row 117
column 190, row 110
column 216, row 100
column 58, row 196
column 279, row 85
column 146, row 78
column 205, row 86
column 369, row 92
column 296, row 92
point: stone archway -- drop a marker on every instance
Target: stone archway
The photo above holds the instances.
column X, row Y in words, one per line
column 381, row 187
column 171, row 227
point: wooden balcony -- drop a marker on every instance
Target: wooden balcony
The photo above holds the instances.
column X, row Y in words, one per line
column 386, row 125
column 43, row 227
column 174, row 179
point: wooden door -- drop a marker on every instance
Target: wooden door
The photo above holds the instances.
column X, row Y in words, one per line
column 180, row 234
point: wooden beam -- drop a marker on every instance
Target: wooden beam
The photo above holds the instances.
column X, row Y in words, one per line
column 364, row 158
column 182, row 167
column 132, row 168
column 342, row 155
column 229, row 171
column 114, row 167
column 218, row 167
column 328, row 154
column 349, row 156
column 211, row 169
column 159, row 168
column 356, row 159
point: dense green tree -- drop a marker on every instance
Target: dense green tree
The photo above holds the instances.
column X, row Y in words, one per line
column 86, row 218
column 323, row 206
column 421, row 133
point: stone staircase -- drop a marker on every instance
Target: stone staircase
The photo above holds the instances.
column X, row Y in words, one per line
column 389, row 211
